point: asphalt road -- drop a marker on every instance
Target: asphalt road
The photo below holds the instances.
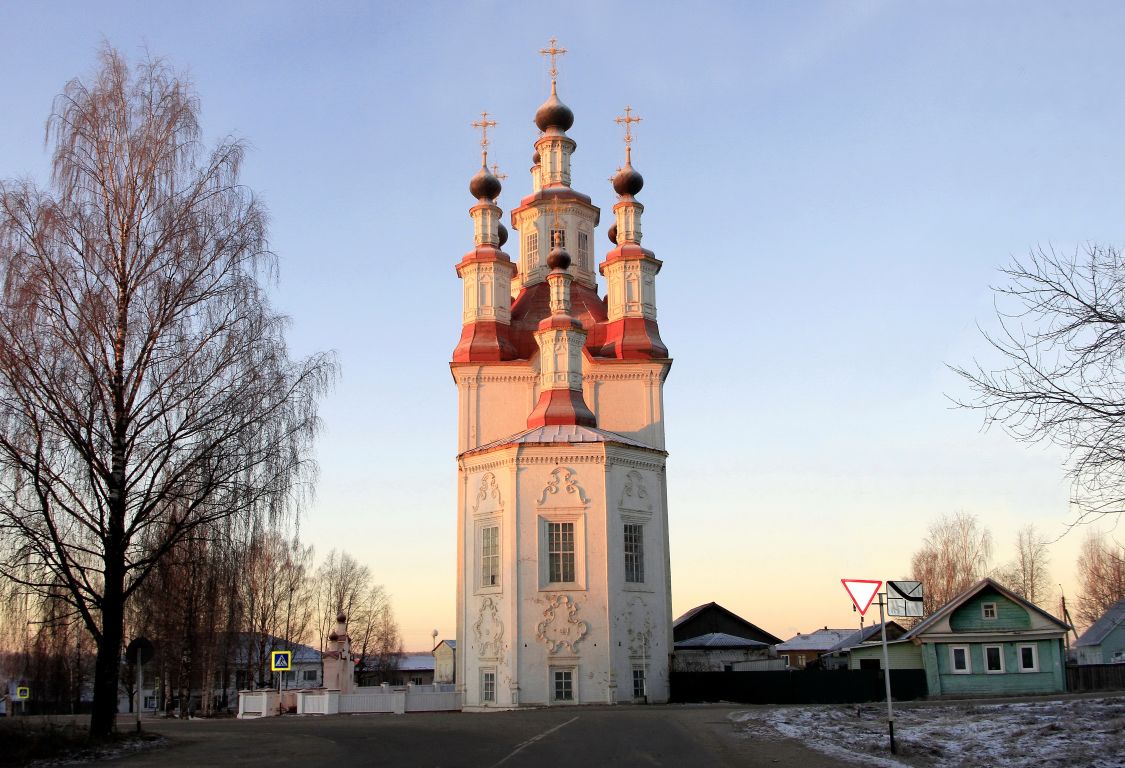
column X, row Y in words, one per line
column 696, row 736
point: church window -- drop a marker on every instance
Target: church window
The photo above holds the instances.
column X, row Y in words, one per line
column 560, row 551
column 561, row 235
column 634, row 553
column 583, row 249
column 532, row 248
column 638, row 682
column 490, row 556
column 563, row 684
column 488, row 685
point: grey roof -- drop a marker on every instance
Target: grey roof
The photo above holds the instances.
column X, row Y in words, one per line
column 961, row 599
column 1097, row 632
column 718, row 640
column 416, row 662
column 451, row 643
column 247, row 645
column 820, row 640
column 874, row 632
column 556, row 434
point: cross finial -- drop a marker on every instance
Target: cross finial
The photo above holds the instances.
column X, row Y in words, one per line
column 554, row 52
column 496, row 172
column 628, row 121
column 484, row 124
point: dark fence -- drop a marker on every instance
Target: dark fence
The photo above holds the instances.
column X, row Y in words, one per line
column 797, row 686
column 1095, row 677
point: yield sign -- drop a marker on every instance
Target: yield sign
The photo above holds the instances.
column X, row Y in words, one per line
column 862, row 592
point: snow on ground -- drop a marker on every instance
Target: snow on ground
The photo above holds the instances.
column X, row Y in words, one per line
column 1070, row 733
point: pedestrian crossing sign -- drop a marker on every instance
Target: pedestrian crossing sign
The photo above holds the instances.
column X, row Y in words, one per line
column 281, row 661
column 23, row 693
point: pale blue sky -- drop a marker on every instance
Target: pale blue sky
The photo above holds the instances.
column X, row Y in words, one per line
column 830, row 185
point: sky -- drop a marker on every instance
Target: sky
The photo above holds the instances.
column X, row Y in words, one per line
column 831, row 186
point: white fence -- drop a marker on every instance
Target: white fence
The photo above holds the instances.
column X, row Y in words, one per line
column 382, row 698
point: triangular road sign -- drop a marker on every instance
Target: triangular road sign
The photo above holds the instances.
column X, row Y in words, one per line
column 862, row 592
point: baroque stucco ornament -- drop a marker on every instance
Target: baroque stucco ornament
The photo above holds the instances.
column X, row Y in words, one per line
column 563, row 489
column 634, row 495
column 488, row 497
column 559, row 628
column 489, row 629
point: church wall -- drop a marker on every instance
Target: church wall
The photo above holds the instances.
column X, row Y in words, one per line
column 494, row 401
column 628, row 398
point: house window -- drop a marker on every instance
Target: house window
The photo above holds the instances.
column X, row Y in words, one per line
column 416, row 680
column 562, row 684
column 150, row 702
column 309, row 675
column 488, row 685
column 1029, row 658
column 490, row 556
column 785, row 658
column 959, row 660
column 800, row 659
column 583, row 249
column 560, row 551
column 993, row 659
column 634, row 553
column 638, row 682
column 988, row 611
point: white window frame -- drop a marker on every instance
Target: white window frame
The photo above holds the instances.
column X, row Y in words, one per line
column 309, row 675
column 583, row 250
column 641, row 677
column 579, row 522
column 1000, row 653
column 489, row 561
column 801, row 659
column 573, row 672
column 785, row 658
column 488, row 692
column 1034, row 657
column 968, row 670
column 634, row 560
column 986, row 608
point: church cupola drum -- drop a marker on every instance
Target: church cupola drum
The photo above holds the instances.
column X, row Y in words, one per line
column 563, row 583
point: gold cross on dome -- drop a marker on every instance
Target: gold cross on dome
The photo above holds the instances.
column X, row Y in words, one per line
column 554, row 52
column 497, row 174
column 628, row 121
column 484, row 124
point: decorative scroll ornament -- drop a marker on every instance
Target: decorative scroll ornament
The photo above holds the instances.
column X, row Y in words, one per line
column 559, row 628
column 489, row 629
column 563, row 489
column 639, row 627
column 488, row 497
column 634, row 495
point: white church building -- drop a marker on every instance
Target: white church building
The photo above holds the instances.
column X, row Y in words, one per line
column 563, row 587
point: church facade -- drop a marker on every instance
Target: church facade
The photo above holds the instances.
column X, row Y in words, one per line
column 563, row 588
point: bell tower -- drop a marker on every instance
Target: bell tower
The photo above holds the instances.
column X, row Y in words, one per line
column 563, row 587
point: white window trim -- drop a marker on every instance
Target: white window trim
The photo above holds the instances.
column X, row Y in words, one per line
column 785, row 658
column 573, row 670
column 579, row 520
column 478, row 556
column 640, row 564
column 988, row 671
column 1034, row 657
column 483, row 688
column 968, row 670
column 984, row 611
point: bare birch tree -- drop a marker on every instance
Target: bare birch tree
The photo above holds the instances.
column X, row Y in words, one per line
column 1027, row 573
column 1059, row 378
column 954, row 555
column 145, row 385
column 1101, row 571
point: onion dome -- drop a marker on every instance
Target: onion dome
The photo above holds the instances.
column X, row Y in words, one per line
column 333, row 636
column 484, row 186
column 554, row 114
column 536, row 158
column 502, row 234
column 341, row 617
column 612, row 233
column 628, row 181
column 558, row 258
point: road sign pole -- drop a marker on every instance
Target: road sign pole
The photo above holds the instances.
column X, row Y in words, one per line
column 140, row 693
column 887, row 675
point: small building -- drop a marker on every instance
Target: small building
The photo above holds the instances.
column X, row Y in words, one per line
column 1104, row 641
column 838, row 656
column 802, row 650
column 717, row 652
column 712, row 618
column 445, row 661
column 902, row 653
column 990, row 641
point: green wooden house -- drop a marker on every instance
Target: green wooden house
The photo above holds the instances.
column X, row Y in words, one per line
column 989, row 641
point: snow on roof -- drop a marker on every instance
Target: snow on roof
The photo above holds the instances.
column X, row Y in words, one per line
column 1097, row 632
column 251, row 644
column 417, row 661
column 718, row 640
column 820, row 640
column 451, row 643
column 875, row 632
column 555, row 434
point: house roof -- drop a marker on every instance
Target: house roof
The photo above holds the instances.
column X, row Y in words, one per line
column 874, row 632
column 715, row 607
column 941, row 613
column 418, row 661
column 1097, row 632
column 451, row 643
column 249, row 644
column 560, row 434
column 718, row 640
column 820, row 640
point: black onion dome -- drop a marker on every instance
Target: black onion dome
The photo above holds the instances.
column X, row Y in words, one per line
column 341, row 616
column 502, row 234
column 484, row 186
column 628, row 181
column 612, row 233
column 333, row 636
column 554, row 114
column 558, row 258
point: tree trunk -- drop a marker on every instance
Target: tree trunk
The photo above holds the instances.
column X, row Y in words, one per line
column 107, row 668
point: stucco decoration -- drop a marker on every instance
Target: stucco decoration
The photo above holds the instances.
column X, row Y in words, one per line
column 639, row 627
column 634, row 495
column 489, row 630
column 488, row 497
column 563, row 490
column 559, row 628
